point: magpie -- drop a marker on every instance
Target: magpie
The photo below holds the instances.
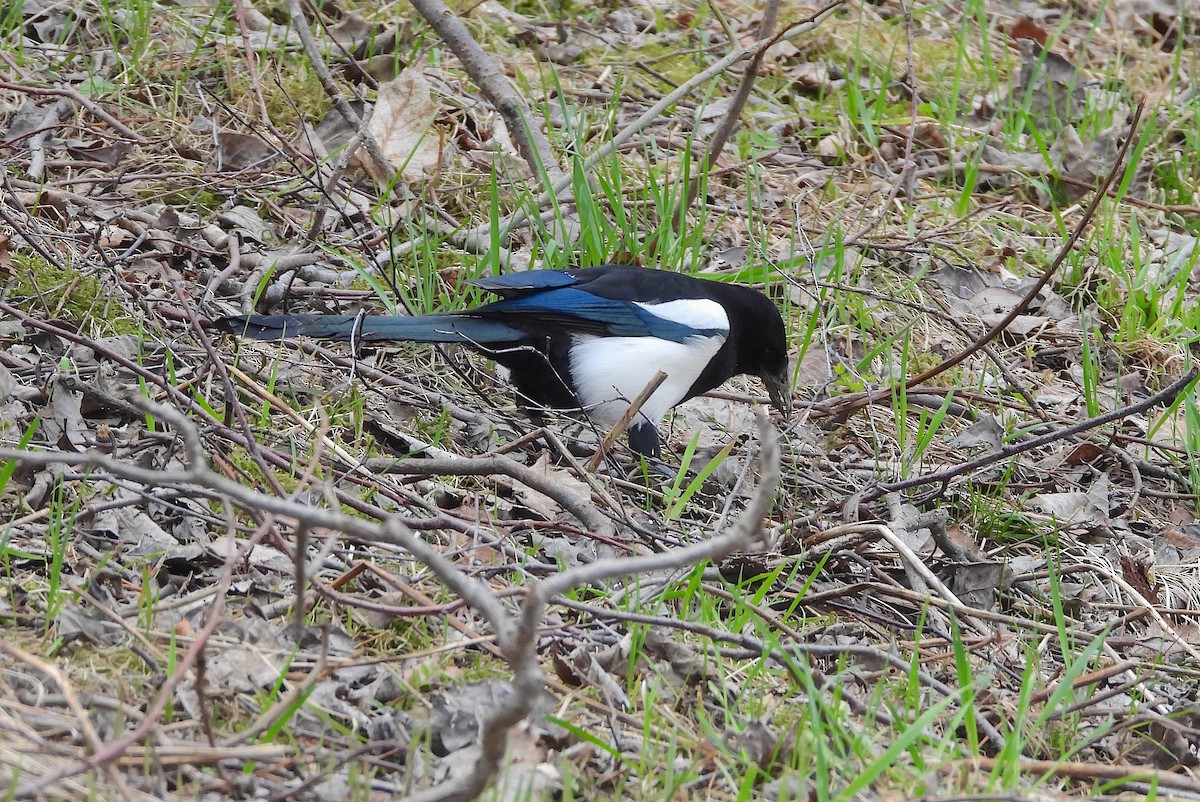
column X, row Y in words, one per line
column 590, row 339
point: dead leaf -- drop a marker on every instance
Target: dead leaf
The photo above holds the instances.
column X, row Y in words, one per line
column 1083, row 453
column 833, row 146
column 1087, row 163
column 1155, row 19
column 241, row 152
column 402, row 123
column 526, row 774
column 976, row 583
column 581, row 668
column 227, row 547
column 1025, row 28
column 1089, row 507
column 541, row 503
column 986, row 431
column 250, row 657
column 1140, row 575
column 247, row 222
column 1048, row 87
column 62, row 422
column 1166, row 744
column 107, row 154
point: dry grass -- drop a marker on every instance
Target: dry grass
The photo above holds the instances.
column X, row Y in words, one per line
column 1023, row 630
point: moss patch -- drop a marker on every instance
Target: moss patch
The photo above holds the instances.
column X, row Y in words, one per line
column 52, row 292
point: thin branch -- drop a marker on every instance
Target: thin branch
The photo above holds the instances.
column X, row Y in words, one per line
column 325, row 76
column 906, row 177
column 864, row 399
column 581, row 508
column 391, row 531
column 745, row 532
column 1063, row 252
column 778, row 650
column 487, row 75
column 1120, row 774
column 1163, row 396
column 728, row 123
column 519, row 645
column 654, row 112
column 115, row 749
column 635, row 406
column 68, row 91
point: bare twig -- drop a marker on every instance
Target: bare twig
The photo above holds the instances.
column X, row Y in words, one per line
column 87, row 103
column 859, row 401
column 519, row 644
column 76, row 707
column 622, row 423
column 783, row 652
column 486, row 74
column 1144, row 603
column 729, row 122
column 745, row 532
column 654, row 112
column 495, row 464
column 1119, row 773
column 300, row 25
column 115, row 749
column 1063, row 252
column 1161, row 397
column 248, row 54
column 195, row 473
column 914, row 561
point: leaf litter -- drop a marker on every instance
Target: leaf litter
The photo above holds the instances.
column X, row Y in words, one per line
column 111, row 241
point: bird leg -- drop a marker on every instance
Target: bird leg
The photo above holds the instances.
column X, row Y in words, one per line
column 647, row 444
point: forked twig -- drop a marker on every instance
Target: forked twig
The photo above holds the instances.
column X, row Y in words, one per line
column 520, row 644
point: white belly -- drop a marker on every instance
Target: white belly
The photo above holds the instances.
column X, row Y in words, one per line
column 609, row 372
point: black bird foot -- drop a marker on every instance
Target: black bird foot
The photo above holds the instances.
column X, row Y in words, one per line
column 648, row 471
column 643, row 439
column 656, row 468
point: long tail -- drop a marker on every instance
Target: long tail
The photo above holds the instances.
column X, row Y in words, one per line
column 420, row 329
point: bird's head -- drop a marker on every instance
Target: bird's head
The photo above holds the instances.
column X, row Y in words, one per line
column 763, row 350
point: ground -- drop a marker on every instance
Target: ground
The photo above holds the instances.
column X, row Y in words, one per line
column 966, row 567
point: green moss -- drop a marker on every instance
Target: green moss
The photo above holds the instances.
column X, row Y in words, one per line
column 296, row 94
column 288, row 482
column 54, row 292
column 668, row 59
column 203, row 202
column 290, row 89
column 921, row 361
column 950, row 70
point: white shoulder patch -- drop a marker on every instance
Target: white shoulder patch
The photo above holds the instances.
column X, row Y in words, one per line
column 699, row 313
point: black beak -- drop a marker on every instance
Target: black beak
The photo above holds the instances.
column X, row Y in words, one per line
column 780, row 393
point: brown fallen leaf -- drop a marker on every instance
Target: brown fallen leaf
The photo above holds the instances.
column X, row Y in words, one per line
column 402, row 123
column 541, row 503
